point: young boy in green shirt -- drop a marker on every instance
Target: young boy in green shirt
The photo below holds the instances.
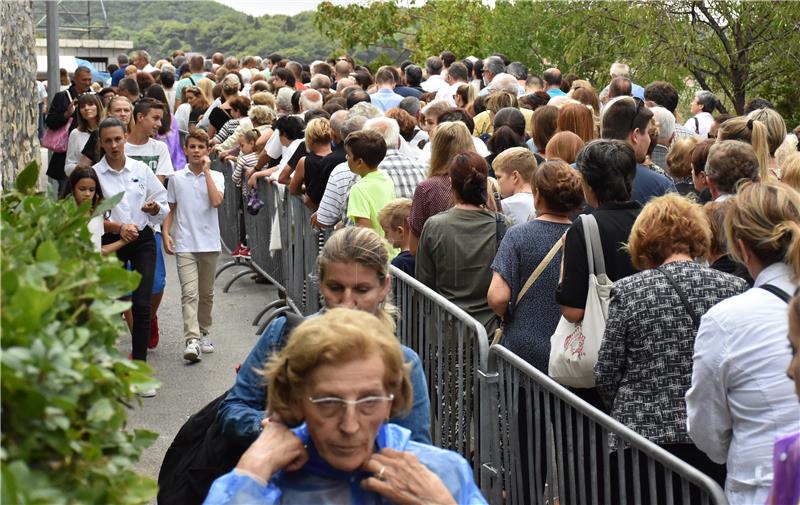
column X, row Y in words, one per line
column 365, row 150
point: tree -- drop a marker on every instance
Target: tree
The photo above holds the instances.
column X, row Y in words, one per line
column 737, row 49
column 19, row 113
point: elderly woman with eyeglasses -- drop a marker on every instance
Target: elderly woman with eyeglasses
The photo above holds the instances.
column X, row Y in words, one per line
column 332, row 389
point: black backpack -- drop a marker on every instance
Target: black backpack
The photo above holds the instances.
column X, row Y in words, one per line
column 200, row 453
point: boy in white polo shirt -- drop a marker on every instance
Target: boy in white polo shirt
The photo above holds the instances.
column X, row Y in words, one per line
column 191, row 232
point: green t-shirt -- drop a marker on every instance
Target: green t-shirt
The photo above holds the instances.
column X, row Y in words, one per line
column 368, row 196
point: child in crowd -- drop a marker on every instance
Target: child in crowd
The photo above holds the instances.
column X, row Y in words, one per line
column 393, row 221
column 245, row 163
column 514, row 169
column 83, row 185
column 191, row 233
column 365, row 150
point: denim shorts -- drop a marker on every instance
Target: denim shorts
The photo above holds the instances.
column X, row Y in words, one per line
column 160, row 276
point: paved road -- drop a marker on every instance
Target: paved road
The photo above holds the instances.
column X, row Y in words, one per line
column 186, row 388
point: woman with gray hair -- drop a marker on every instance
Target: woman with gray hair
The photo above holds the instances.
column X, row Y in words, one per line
column 703, row 104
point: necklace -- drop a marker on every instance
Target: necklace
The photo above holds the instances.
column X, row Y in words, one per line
column 556, row 218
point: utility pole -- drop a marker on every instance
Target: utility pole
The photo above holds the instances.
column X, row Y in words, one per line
column 53, row 63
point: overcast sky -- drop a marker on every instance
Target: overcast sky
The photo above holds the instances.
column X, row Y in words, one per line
column 272, row 7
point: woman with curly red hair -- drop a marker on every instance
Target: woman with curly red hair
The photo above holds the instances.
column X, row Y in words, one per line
column 644, row 367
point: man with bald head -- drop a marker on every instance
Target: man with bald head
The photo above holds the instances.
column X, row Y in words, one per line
column 552, row 79
column 406, row 173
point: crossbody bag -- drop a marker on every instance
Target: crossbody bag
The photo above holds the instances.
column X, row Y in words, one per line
column 498, row 333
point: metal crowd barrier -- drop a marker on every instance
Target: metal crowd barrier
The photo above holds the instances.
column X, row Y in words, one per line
column 453, row 347
column 533, row 418
column 291, row 264
column 229, row 210
column 528, row 439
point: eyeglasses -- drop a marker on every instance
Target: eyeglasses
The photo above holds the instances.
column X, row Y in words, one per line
column 639, row 104
column 332, row 406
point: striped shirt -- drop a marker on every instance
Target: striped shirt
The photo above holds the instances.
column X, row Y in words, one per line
column 333, row 206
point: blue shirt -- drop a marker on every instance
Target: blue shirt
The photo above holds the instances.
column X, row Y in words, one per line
column 555, row 92
column 118, row 75
column 406, row 91
column 385, row 99
column 242, row 410
column 648, row 184
column 318, row 482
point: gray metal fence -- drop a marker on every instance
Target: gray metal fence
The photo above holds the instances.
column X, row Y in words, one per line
column 544, row 433
column 528, row 439
column 453, row 347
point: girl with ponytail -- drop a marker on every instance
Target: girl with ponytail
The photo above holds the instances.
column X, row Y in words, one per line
column 740, row 400
column 753, row 132
column 776, row 134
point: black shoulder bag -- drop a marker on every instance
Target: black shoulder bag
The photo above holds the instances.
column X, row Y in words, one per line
column 682, row 295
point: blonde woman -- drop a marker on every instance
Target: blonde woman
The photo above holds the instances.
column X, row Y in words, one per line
column 776, row 134
column 318, row 145
column 334, row 453
column 740, row 400
column 752, row 132
column 353, row 272
column 434, row 194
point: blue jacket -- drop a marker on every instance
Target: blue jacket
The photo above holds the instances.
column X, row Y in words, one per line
column 242, row 410
column 317, row 482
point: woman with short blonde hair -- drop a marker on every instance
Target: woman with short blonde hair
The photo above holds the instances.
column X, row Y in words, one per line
column 644, row 366
column 342, row 375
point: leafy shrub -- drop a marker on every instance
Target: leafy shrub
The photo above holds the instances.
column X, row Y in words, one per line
column 65, row 386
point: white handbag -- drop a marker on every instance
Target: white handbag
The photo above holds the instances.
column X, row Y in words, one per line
column 574, row 346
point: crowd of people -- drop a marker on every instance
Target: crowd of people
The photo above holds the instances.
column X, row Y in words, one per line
column 477, row 177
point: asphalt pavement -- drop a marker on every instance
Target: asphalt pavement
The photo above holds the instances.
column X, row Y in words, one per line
column 186, row 388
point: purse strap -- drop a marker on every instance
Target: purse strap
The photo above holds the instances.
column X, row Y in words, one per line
column 499, row 218
column 540, row 268
column 775, row 290
column 594, row 248
column 682, row 295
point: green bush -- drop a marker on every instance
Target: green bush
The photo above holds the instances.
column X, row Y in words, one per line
column 65, row 386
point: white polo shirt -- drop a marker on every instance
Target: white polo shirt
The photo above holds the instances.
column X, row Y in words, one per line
column 196, row 224
column 139, row 185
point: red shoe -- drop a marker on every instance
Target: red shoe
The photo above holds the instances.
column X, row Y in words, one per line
column 236, row 250
column 154, row 336
column 244, row 252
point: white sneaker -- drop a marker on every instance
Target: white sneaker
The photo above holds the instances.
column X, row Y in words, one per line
column 193, row 352
column 205, row 345
column 147, row 393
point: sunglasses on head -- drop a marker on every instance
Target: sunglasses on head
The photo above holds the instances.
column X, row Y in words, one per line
column 639, row 104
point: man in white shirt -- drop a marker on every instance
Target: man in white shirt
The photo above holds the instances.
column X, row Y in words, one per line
column 144, row 205
column 141, row 146
column 191, row 233
column 703, row 104
column 433, row 74
column 457, row 75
